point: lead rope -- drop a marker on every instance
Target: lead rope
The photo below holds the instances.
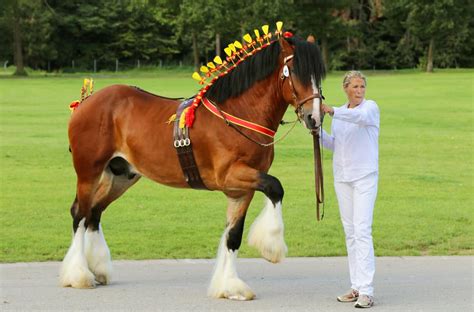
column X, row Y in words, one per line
column 320, row 196
column 318, row 174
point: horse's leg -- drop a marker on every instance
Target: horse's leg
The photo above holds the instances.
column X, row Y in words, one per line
column 225, row 282
column 74, row 270
column 266, row 232
column 115, row 180
column 96, row 251
column 88, row 258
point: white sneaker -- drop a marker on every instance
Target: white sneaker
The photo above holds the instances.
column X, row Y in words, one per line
column 351, row 296
column 364, row 301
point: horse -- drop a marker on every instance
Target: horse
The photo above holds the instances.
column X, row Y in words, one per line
column 120, row 134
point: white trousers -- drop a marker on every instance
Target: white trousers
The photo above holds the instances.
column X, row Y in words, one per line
column 356, row 206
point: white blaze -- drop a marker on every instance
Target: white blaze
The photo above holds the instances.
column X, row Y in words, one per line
column 316, row 115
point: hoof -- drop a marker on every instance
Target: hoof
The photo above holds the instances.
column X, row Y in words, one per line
column 266, row 234
column 234, row 289
column 103, row 273
column 102, row 279
column 271, row 245
column 79, row 279
column 243, row 297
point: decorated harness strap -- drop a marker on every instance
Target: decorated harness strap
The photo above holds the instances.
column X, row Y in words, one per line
column 237, row 121
column 184, row 148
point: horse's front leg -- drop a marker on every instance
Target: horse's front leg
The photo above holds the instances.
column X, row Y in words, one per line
column 266, row 232
column 225, row 282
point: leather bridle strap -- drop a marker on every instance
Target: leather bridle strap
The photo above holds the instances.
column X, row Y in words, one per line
column 306, row 99
column 298, row 103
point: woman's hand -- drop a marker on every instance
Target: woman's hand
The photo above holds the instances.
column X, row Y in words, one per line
column 327, row 109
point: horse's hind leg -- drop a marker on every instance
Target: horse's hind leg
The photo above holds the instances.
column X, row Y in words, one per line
column 225, row 282
column 96, row 251
column 116, row 179
column 88, row 259
column 74, row 269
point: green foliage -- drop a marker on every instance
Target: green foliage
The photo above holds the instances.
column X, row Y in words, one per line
column 424, row 205
column 361, row 34
column 444, row 21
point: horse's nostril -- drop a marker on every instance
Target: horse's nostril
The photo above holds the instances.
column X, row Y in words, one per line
column 310, row 122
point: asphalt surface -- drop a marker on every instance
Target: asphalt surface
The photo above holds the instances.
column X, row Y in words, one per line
column 297, row 284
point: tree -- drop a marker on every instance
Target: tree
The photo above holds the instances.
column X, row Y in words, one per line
column 320, row 18
column 192, row 26
column 435, row 21
column 13, row 15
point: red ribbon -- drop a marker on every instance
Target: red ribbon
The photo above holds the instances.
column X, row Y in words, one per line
column 235, row 120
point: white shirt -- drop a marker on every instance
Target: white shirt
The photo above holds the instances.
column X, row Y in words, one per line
column 354, row 141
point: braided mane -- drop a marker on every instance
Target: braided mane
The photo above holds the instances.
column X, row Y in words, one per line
column 307, row 64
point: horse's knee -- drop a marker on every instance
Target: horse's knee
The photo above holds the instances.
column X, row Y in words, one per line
column 271, row 187
column 234, row 238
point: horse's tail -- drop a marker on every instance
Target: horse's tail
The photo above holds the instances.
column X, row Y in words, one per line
column 86, row 90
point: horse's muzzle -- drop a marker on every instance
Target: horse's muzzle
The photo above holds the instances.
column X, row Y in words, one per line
column 311, row 123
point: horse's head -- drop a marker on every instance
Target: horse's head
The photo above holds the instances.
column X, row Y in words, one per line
column 301, row 72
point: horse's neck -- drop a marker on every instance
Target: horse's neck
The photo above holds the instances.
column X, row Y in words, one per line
column 262, row 104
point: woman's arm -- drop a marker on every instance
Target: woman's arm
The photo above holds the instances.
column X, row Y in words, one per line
column 327, row 140
column 366, row 115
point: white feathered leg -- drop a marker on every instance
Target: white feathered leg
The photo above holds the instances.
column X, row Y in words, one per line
column 225, row 282
column 98, row 255
column 74, row 270
column 266, row 233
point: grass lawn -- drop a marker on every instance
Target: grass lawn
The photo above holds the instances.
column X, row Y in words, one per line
column 424, row 205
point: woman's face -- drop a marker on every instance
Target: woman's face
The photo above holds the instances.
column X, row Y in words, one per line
column 355, row 91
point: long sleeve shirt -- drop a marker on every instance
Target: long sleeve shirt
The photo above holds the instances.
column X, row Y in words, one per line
column 354, row 141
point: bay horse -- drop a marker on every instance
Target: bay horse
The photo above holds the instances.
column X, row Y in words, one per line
column 120, row 133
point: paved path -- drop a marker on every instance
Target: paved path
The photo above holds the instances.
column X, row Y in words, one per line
column 297, row 284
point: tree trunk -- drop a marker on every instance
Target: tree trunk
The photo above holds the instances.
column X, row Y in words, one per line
column 17, row 45
column 429, row 63
column 197, row 64
column 218, row 44
column 325, row 52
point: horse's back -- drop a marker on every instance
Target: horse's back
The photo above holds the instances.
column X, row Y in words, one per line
column 125, row 121
column 119, row 103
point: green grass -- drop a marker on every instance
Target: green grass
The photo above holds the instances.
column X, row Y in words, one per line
column 424, row 205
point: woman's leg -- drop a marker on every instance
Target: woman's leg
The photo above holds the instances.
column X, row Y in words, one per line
column 365, row 193
column 345, row 199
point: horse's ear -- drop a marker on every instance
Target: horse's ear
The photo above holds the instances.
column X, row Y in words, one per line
column 311, row 39
column 285, row 45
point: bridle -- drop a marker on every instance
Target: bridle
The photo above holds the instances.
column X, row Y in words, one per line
column 298, row 104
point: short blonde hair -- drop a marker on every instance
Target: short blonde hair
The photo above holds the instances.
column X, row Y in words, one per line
column 352, row 74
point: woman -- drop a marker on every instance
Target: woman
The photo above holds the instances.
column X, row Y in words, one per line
column 354, row 141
